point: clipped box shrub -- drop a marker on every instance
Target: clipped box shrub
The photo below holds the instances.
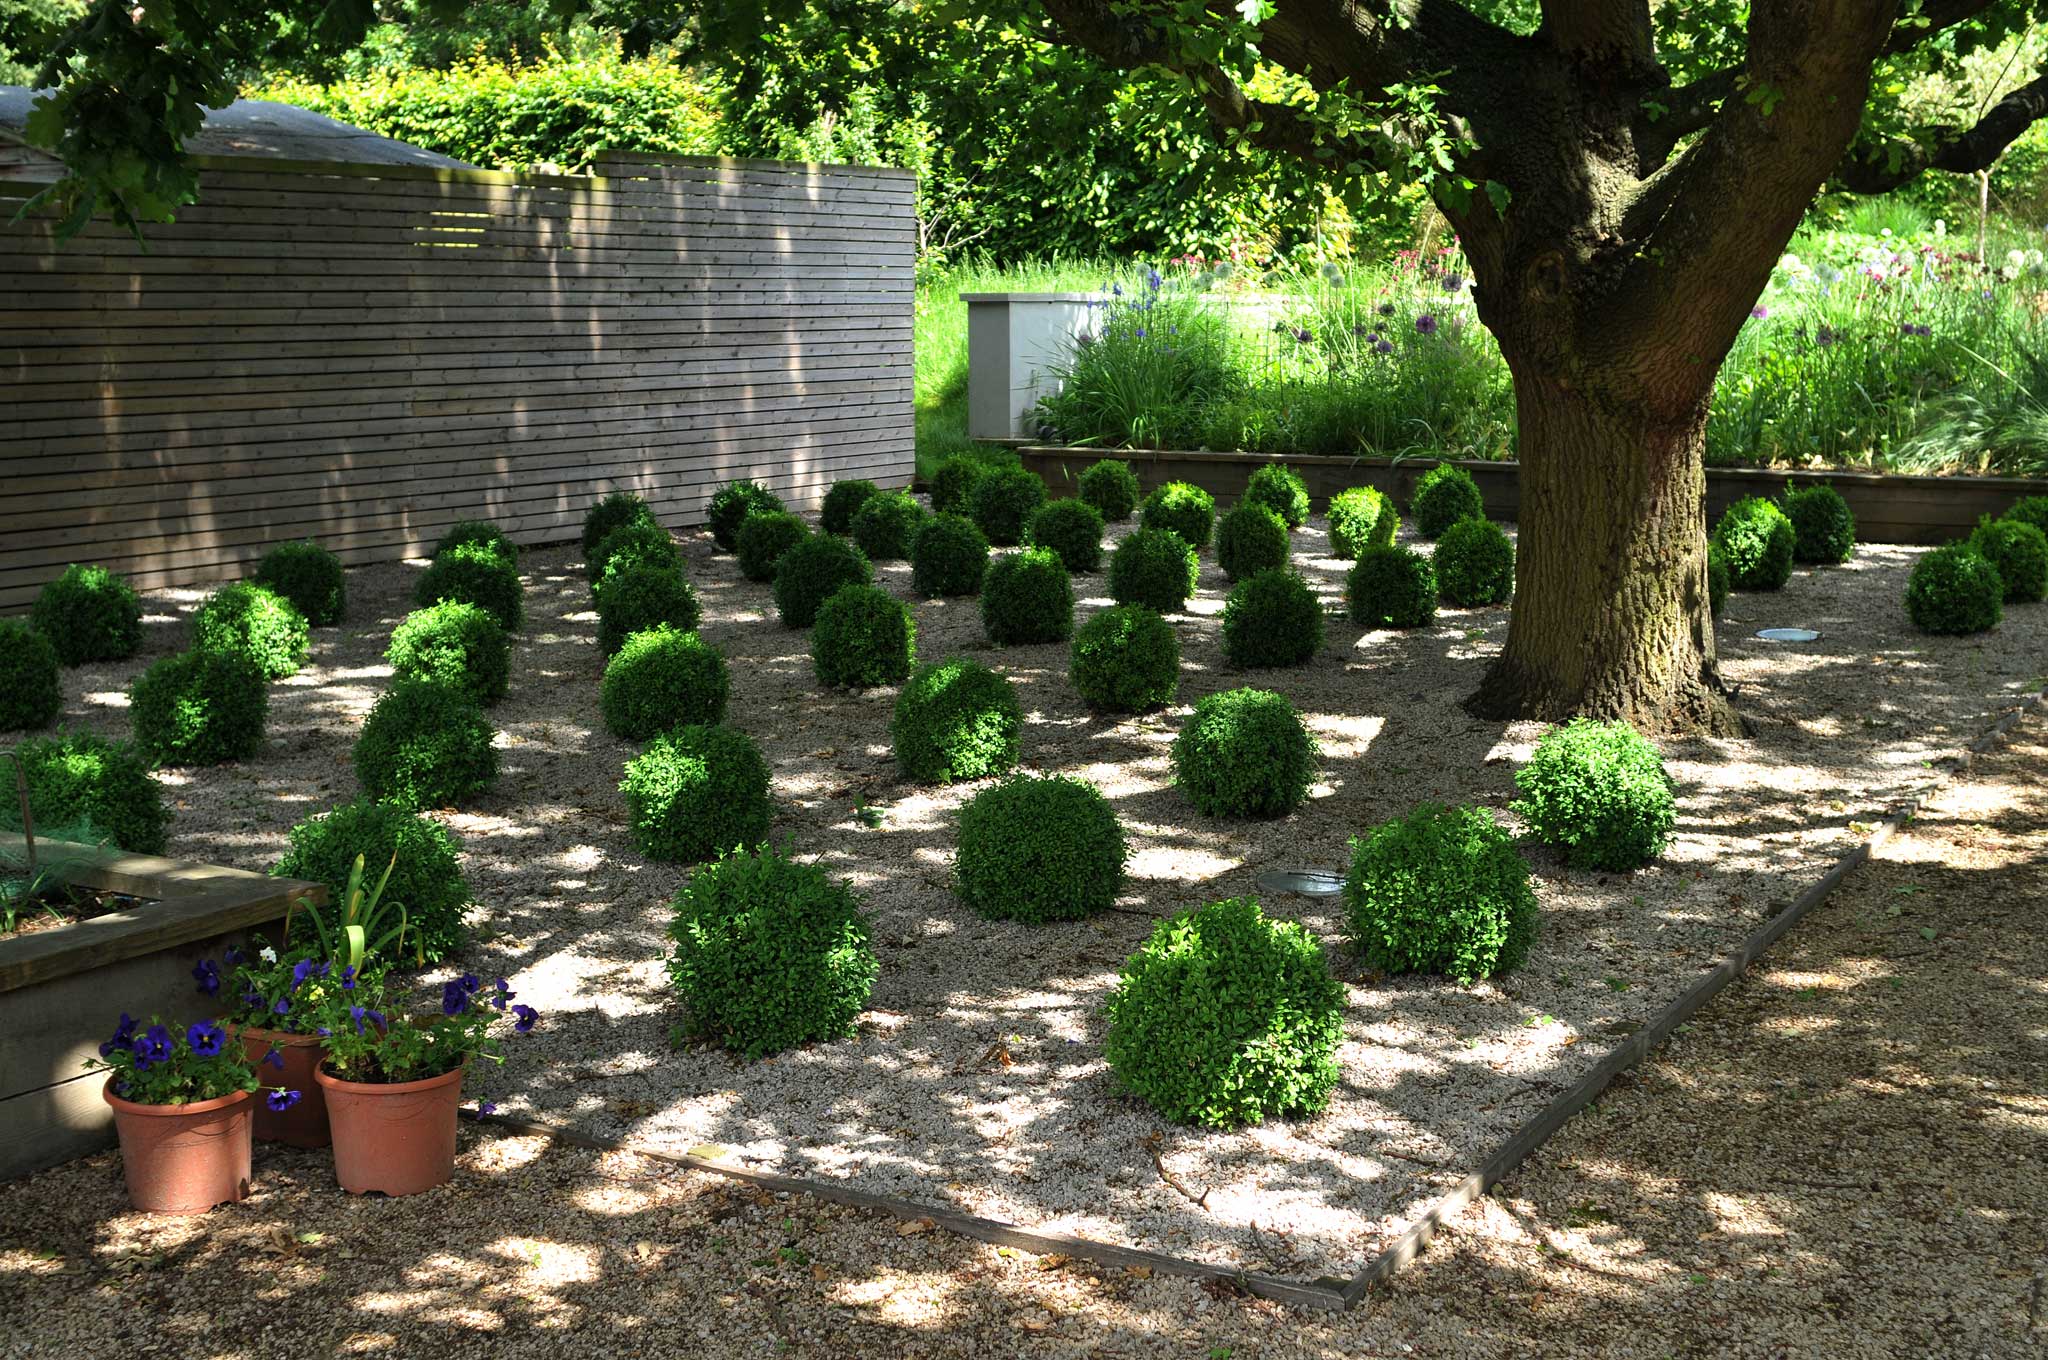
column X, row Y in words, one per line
column 887, row 525
column 1361, row 517
column 475, row 575
column 1226, row 1018
column 1598, row 792
column 1035, row 849
column 1445, row 495
column 952, row 487
column 1182, row 508
column 769, row 953
column 89, row 614
column 2030, row 510
column 641, row 598
column 956, row 720
column 843, row 502
column 1955, row 589
column 481, row 532
column 76, row 777
column 1244, row 753
column 1756, row 541
column 615, row 511
column 1026, row 598
column 1475, row 564
column 1823, row 529
column 1071, row 528
column 425, row 746
column 812, row 572
column 1125, row 659
column 697, row 792
column 31, row 690
column 1155, row 568
column 1003, row 501
column 426, row 875
column 1390, row 587
column 310, row 577
column 663, row 678
column 763, row 538
column 258, row 623
column 199, row 708
column 1111, row 487
column 730, row 505
column 1718, row 581
column 1251, row 539
column 1272, row 619
column 1440, row 891
column 636, row 543
column 948, row 557
column 453, row 644
column 864, row 637
column 2020, row 552
column 1280, row 489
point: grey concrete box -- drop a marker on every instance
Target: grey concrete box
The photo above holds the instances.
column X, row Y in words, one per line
column 1015, row 344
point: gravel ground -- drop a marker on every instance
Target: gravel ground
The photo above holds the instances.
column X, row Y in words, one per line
column 1841, row 1156
column 977, row 1077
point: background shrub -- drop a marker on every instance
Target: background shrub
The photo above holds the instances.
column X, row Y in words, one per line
column 1251, row 539
column 1225, row 1018
column 310, row 577
column 1445, row 495
column 843, row 502
column 636, row 543
column 199, row 708
column 78, row 777
column 1155, row 568
column 481, row 531
column 887, row 524
column 953, row 484
column 258, row 623
column 1280, row 489
column 1070, row 527
column 425, row 746
column 697, row 792
column 948, row 557
column 1003, row 501
column 31, row 693
column 1183, row 508
column 1390, row 587
column 1955, row 589
column 864, row 637
column 615, row 511
column 2030, row 510
column 1756, row 541
column 454, row 644
column 763, row 538
column 812, row 572
column 1244, row 753
column 769, row 953
column 1111, row 487
column 89, row 614
column 956, row 720
column 1823, row 529
column 1717, row 581
column 1440, row 891
column 426, row 876
column 1126, row 659
column 1026, row 598
column 1272, row 619
column 1036, row 849
column 1360, row 518
column 641, row 598
column 662, row 678
column 730, row 505
column 2020, row 552
column 1475, row 564
column 475, row 575
column 1598, row 792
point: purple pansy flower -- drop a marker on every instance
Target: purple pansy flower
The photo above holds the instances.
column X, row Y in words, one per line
column 504, row 994
column 207, row 974
column 124, row 1036
column 283, row 1006
column 274, row 1058
column 359, row 1014
column 301, row 970
column 527, row 1016
column 282, row 1099
column 454, row 1000
column 206, row 1039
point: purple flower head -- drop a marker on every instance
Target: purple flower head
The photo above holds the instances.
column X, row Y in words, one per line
column 283, row 1006
column 1386, row 309
column 282, row 1099
column 1302, row 336
column 1116, row 290
column 207, row 974
column 469, row 983
column 483, row 1107
column 232, row 956
column 124, row 1036
column 1425, row 324
column 359, row 1014
column 301, row 970
column 1453, row 282
column 454, row 1000
column 1153, row 280
column 206, row 1039
column 504, row 994
column 527, row 1016
column 1825, row 337
column 252, row 999
column 1909, row 329
column 153, row 1047
column 1759, row 311
column 1141, row 332
column 1383, row 346
column 348, row 978
column 274, row 1059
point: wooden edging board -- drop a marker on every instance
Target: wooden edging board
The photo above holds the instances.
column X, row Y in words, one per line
column 1327, row 1291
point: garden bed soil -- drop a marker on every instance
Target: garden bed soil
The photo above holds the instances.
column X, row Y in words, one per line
column 82, row 905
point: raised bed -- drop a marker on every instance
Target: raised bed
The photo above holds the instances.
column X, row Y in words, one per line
column 61, row 990
column 1889, row 508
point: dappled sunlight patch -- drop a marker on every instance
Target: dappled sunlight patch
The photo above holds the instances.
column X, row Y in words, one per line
column 541, row 1265
column 107, row 698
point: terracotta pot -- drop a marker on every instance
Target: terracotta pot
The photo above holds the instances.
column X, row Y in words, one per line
column 184, row 1159
column 305, row 1123
column 394, row 1137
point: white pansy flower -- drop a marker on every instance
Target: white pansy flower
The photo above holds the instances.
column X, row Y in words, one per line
column 267, row 954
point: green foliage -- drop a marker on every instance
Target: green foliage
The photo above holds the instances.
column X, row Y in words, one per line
column 1184, row 509
column 425, row 746
column 663, row 678
column 31, row 694
column 1755, row 539
column 1272, row 619
column 454, row 644
column 843, row 502
column 1155, row 568
column 1955, row 589
column 474, row 574
column 763, row 538
column 812, row 572
column 887, row 525
column 1036, row 849
column 948, row 557
column 770, row 953
column 864, row 637
column 255, row 622
column 1718, row 580
column 1027, row 597
column 956, row 720
column 641, row 598
column 1390, row 587
column 466, row 531
column 309, row 577
column 1125, row 659
column 952, row 486
column 426, row 873
column 1598, row 792
column 1445, row 495
column 1111, row 487
column 2020, row 552
column 1244, row 753
column 1071, row 528
column 1251, row 539
column 1475, row 564
column 730, row 505
column 1823, row 529
column 2030, row 510
column 199, row 708
column 1361, row 517
column 615, row 511
column 638, row 542
column 1150, row 363
column 78, row 777
column 89, row 614
column 1226, row 1018
column 697, row 792
column 1003, row 501
column 1440, row 891
column 1280, row 489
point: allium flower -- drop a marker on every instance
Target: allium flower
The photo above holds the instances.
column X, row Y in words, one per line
column 1453, row 282
column 282, row 1099
column 1759, row 311
column 1386, row 309
column 1302, row 336
column 207, row 974
column 1383, row 345
column 206, row 1039
column 527, row 1015
column 1425, row 324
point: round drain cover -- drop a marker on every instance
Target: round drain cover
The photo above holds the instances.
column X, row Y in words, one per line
column 1313, row 882
column 1787, row 634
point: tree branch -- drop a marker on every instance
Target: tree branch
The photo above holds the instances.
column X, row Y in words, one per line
column 1615, row 34
column 1883, row 169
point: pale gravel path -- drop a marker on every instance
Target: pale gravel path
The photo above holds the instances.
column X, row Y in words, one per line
column 921, row 1104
